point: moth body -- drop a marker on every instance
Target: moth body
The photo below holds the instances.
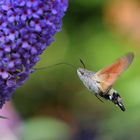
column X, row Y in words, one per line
column 100, row 83
column 90, row 80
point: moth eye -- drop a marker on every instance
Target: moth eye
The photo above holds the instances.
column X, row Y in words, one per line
column 82, row 73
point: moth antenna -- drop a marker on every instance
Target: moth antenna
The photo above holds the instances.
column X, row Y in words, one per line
column 62, row 63
column 82, row 62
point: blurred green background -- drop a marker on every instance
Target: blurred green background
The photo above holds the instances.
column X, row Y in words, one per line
column 54, row 105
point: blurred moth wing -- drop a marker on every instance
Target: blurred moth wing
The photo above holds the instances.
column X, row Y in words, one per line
column 107, row 76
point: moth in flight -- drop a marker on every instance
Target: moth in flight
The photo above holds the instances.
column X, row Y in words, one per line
column 100, row 83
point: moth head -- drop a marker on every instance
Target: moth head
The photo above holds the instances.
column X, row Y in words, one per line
column 81, row 72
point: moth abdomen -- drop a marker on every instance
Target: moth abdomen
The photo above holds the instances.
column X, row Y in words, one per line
column 116, row 99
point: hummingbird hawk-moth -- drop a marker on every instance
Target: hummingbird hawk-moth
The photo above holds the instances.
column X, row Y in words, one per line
column 100, row 83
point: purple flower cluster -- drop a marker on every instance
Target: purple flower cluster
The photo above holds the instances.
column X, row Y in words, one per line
column 27, row 27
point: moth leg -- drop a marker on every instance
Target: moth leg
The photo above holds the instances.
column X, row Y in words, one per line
column 99, row 98
column 109, row 88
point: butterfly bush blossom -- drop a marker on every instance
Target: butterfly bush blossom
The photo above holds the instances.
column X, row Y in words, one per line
column 27, row 27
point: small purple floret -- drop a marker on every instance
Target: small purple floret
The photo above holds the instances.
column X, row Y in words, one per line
column 27, row 27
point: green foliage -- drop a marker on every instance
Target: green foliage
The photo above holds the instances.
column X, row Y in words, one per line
column 45, row 129
column 89, row 3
